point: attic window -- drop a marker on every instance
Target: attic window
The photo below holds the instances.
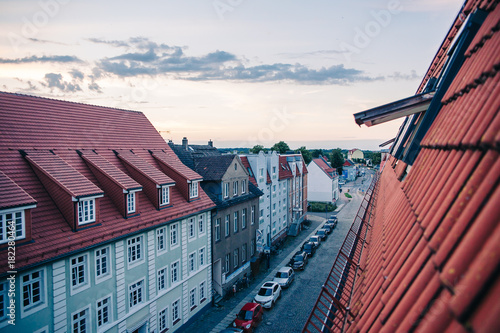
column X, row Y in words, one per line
column 131, row 202
column 193, row 189
column 12, row 222
column 165, row 195
column 86, row 211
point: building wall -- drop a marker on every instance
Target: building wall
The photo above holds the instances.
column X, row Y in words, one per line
column 320, row 187
column 61, row 301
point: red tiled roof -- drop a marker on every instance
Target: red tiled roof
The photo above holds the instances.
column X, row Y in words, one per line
column 284, row 169
column 168, row 158
column 430, row 259
column 324, row 166
column 245, row 162
column 63, row 174
column 12, row 195
column 24, row 127
column 144, row 168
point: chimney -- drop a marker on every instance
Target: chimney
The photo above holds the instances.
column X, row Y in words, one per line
column 185, row 143
column 210, row 143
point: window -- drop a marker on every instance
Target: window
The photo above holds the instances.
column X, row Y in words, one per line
column 244, row 253
column 226, row 264
column 162, row 278
column 274, row 171
column 235, row 222
column 174, row 240
column 174, row 272
column 175, row 312
column 252, row 247
column 201, row 225
column 217, row 230
column 136, row 293
column 33, row 290
column 192, row 262
column 163, row 320
column 243, row 186
column 131, row 202
column 262, row 213
column 235, row 166
column 235, row 258
column 161, row 241
column 201, row 254
column 193, row 190
column 86, row 211
column 5, row 219
column 102, row 264
column 80, row 321
column 274, row 188
column 103, row 307
column 165, row 195
column 235, row 188
column 226, row 190
column 252, row 215
column 79, row 271
column 261, row 172
column 227, row 225
column 134, row 250
column 192, row 298
column 4, row 300
column 243, row 218
column 191, row 228
column 202, row 292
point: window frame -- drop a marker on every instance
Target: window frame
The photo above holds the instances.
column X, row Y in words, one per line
column 252, row 215
column 217, row 232
column 165, row 195
column 244, row 253
column 176, row 309
column 235, row 188
column 192, row 264
column 131, row 202
column 201, row 225
column 165, row 320
column 202, row 287
column 171, row 232
column 75, row 289
column 191, row 227
column 243, row 186
column 202, row 258
column 165, row 279
column 227, row 263
column 235, row 222
column 109, row 273
column 225, row 190
column 88, row 320
column 110, row 310
column 227, row 225
column 4, row 227
column 177, row 271
column 157, row 233
column 80, row 209
column 140, row 259
column 193, row 302
column 243, row 218
column 236, row 258
column 141, row 286
column 193, row 189
column 42, row 303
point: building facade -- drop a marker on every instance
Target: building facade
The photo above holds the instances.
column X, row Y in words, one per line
column 103, row 217
column 355, row 154
column 323, row 181
column 235, row 218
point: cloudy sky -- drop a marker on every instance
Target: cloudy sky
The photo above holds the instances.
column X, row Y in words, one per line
column 238, row 72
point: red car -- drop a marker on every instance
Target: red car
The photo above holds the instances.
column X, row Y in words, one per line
column 249, row 317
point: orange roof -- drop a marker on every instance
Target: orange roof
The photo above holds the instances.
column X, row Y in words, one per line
column 428, row 261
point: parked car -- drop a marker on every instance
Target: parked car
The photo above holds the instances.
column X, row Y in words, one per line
column 285, row 276
column 316, row 240
column 331, row 223
column 328, row 228
column 290, row 263
column 249, row 317
column 309, row 248
column 300, row 261
column 232, row 330
column 322, row 234
column 333, row 217
column 268, row 294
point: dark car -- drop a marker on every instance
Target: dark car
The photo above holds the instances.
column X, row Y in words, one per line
column 322, row 234
column 333, row 217
column 331, row 223
column 328, row 228
column 300, row 261
column 249, row 317
column 316, row 240
column 309, row 248
column 300, row 252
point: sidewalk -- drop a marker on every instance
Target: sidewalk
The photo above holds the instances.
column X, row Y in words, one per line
column 218, row 318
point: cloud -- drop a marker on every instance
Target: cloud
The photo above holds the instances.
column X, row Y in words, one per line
column 53, row 80
column 319, row 53
column 43, row 59
column 76, row 74
column 153, row 59
column 95, row 87
column 402, row 76
column 44, row 41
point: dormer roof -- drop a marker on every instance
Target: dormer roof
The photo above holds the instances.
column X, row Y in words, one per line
column 12, row 194
column 139, row 167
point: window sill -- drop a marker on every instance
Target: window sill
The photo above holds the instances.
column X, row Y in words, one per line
column 176, row 321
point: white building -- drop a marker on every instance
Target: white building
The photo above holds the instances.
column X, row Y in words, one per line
column 323, row 181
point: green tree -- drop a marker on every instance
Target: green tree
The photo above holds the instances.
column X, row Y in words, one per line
column 281, row 147
column 306, row 154
column 256, row 149
column 317, row 153
column 376, row 158
column 337, row 160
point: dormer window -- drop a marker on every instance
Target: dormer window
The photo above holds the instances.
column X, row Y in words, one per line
column 86, row 211
column 131, row 202
column 165, row 195
column 12, row 223
column 193, row 189
column 226, row 190
column 243, row 186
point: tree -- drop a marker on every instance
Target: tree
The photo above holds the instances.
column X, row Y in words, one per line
column 281, row 147
column 256, row 149
column 317, row 153
column 376, row 158
column 337, row 160
column 306, row 154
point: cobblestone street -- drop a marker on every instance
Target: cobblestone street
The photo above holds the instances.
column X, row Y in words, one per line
column 291, row 311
